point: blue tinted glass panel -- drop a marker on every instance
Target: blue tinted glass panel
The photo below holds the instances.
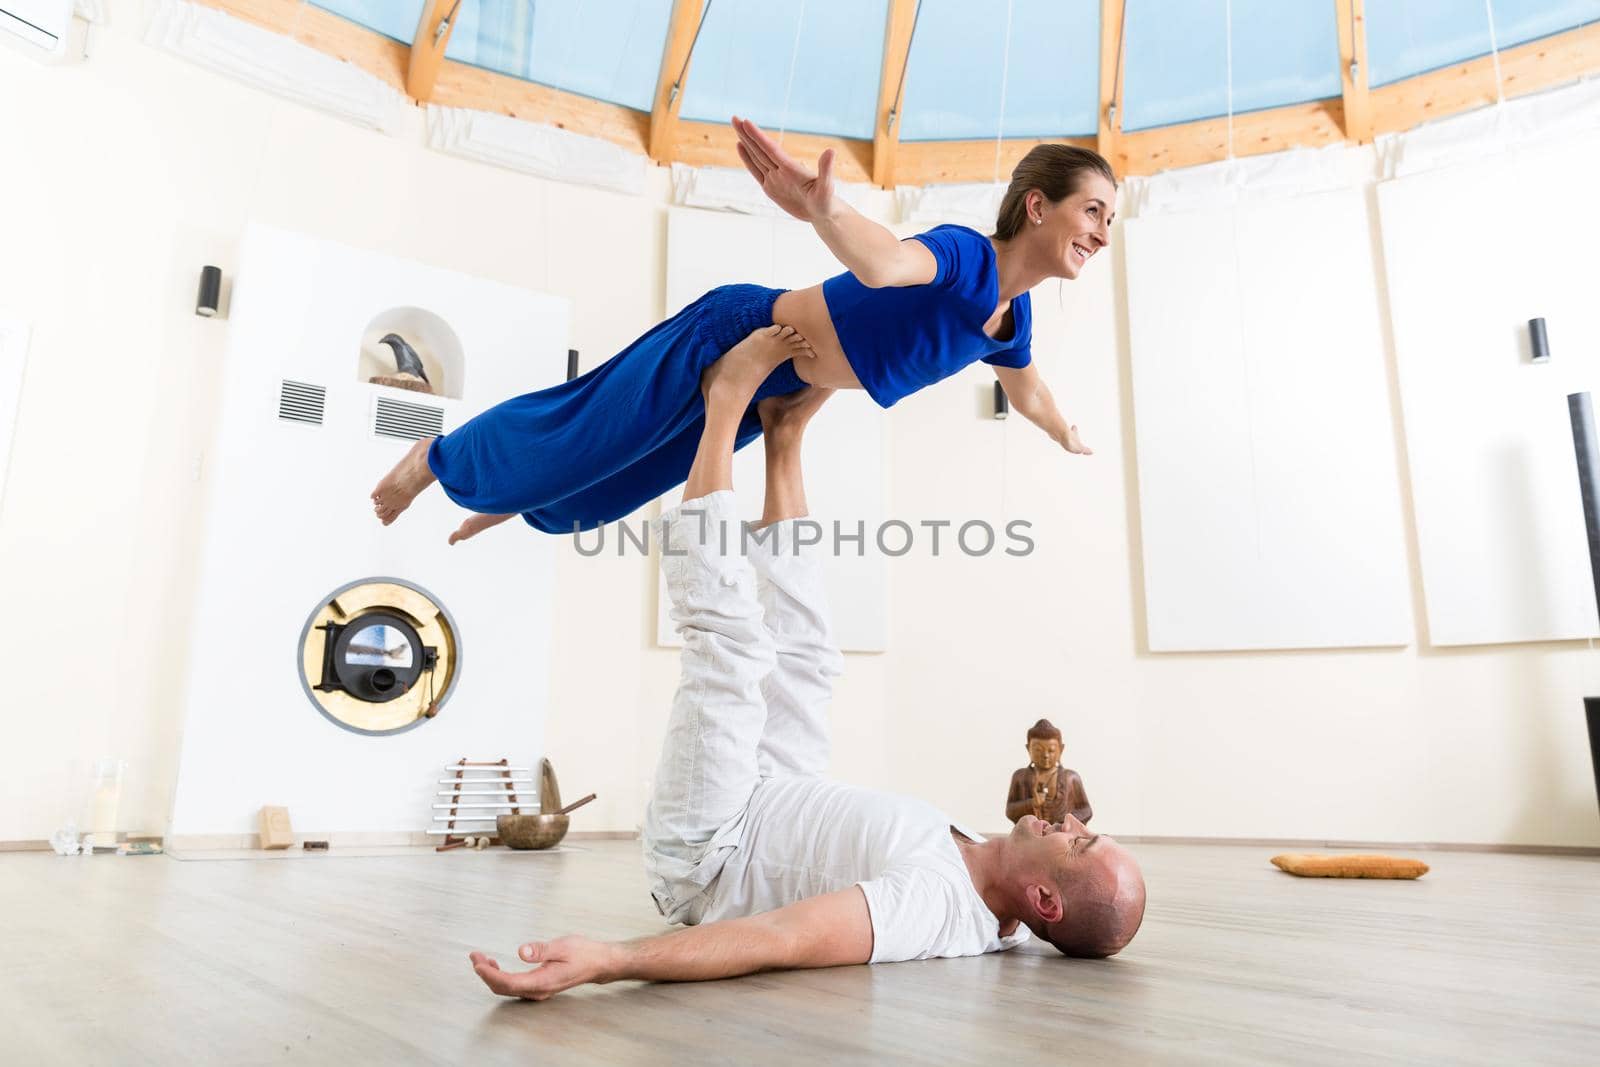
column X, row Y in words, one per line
column 392, row 18
column 606, row 49
column 1410, row 37
column 1176, row 68
column 959, row 59
column 742, row 65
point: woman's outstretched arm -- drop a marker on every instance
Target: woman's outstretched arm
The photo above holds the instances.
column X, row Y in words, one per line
column 869, row 251
column 1031, row 398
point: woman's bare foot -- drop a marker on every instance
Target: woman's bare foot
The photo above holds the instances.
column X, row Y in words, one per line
column 402, row 484
column 784, row 418
column 475, row 524
column 733, row 379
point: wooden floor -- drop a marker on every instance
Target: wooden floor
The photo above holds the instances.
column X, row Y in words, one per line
column 358, row 960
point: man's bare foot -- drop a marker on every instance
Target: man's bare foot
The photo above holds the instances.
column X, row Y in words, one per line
column 784, row 418
column 734, row 378
column 402, row 484
column 475, row 524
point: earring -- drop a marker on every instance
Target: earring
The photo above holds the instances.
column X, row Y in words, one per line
column 1037, row 220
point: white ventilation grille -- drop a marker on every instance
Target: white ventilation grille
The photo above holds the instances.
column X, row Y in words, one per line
column 407, row 421
column 301, row 402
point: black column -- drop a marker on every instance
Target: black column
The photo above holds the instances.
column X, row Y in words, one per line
column 1581, row 411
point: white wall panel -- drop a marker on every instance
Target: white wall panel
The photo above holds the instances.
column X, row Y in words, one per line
column 289, row 521
column 1269, row 496
column 1471, row 254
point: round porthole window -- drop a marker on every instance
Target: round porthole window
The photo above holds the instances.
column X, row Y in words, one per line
column 379, row 656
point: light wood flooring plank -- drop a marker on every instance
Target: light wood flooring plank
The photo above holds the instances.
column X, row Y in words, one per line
column 330, row 959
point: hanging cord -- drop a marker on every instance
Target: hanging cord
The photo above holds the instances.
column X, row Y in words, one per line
column 794, row 61
column 446, row 22
column 1005, row 77
column 1228, row 9
column 894, row 110
column 1238, row 293
column 1116, row 76
column 1355, row 64
column 1494, row 52
column 1244, row 370
column 677, row 83
column 999, row 134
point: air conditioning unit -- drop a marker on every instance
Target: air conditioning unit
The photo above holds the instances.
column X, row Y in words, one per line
column 41, row 27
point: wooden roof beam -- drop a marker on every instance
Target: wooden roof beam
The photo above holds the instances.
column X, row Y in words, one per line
column 932, row 162
column 427, row 49
column 330, row 34
column 1352, row 18
column 896, row 53
column 712, row 144
column 1526, row 68
column 465, row 86
column 1109, row 136
column 672, row 79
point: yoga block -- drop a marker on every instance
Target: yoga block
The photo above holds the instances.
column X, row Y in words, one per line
column 275, row 829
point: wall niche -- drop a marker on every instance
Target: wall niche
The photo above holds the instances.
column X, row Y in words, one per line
column 414, row 349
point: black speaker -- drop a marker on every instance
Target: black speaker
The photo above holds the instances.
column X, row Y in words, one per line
column 1538, row 340
column 1002, row 406
column 572, row 363
column 210, row 295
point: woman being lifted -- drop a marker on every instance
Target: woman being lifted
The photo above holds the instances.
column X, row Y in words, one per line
column 902, row 315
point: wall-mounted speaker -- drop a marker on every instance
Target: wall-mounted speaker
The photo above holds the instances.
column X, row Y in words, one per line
column 1002, row 406
column 572, row 363
column 1538, row 340
column 210, row 295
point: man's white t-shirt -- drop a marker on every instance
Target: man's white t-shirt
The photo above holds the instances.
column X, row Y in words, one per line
column 802, row 837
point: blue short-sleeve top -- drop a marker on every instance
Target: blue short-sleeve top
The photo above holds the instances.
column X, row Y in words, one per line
column 901, row 338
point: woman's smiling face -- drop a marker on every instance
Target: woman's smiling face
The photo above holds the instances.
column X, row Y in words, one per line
column 1071, row 230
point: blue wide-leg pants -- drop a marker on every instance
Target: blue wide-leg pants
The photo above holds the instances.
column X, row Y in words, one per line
column 589, row 451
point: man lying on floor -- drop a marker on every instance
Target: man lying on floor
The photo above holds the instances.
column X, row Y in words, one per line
column 768, row 863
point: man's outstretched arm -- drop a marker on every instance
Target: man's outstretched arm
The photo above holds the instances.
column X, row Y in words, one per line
column 826, row 931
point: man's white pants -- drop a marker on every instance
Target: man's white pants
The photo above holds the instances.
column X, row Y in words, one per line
column 757, row 672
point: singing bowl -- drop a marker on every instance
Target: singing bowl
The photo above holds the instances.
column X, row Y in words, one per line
column 531, row 831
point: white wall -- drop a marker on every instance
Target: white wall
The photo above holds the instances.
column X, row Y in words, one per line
column 1499, row 518
column 1268, row 489
column 144, row 168
column 289, row 521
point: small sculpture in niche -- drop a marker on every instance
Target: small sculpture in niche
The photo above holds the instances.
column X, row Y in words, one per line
column 409, row 372
column 1044, row 788
column 406, row 347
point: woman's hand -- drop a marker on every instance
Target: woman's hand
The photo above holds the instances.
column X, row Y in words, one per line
column 1031, row 398
column 806, row 196
column 562, row 964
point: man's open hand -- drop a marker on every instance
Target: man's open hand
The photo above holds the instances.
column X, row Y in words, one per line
column 561, row 964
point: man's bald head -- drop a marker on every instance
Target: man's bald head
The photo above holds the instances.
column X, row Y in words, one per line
column 1104, row 898
column 1083, row 892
